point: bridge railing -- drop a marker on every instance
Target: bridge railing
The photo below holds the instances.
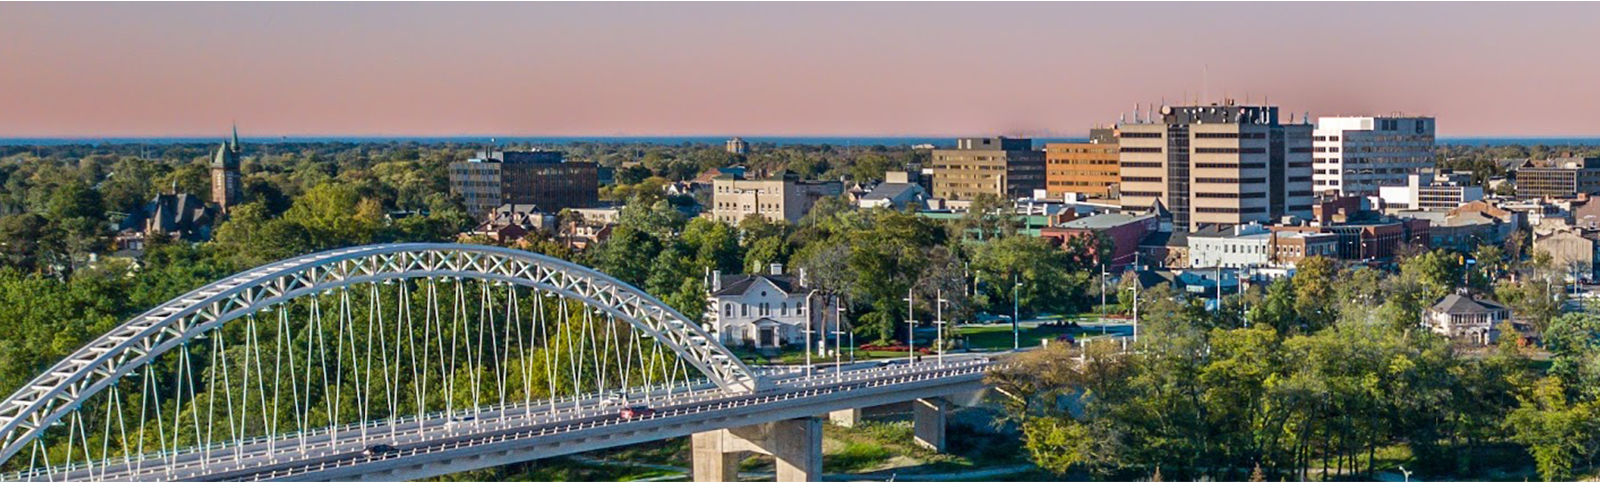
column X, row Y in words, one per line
column 953, row 370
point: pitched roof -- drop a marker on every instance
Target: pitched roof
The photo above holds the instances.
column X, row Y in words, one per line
column 1457, row 304
column 889, row 190
column 737, row 284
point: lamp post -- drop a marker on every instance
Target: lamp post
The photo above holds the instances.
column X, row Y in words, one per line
column 838, row 325
column 939, row 317
column 810, row 329
column 911, row 328
column 838, row 322
column 1135, row 290
column 1016, row 334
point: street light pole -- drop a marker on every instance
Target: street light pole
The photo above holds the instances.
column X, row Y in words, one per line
column 939, row 315
column 911, row 328
column 811, row 328
column 1135, row 290
column 1016, row 336
column 839, row 324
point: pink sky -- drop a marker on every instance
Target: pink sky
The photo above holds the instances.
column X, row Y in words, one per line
column 940, row 69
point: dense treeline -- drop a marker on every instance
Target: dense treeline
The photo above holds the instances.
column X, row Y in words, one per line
column 1325, row 375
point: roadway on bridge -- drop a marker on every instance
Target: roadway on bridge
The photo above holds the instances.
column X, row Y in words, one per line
column 345, row 447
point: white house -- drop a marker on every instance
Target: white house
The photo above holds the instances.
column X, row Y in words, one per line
column 1458, row 316
column 761, row 310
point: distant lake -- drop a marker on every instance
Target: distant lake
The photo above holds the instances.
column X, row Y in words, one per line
column 672, row 140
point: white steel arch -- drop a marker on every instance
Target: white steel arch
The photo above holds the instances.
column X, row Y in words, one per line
column 25, row 414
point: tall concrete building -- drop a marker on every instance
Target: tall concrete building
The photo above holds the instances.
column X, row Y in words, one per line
column 1088, row 168
column 782, row 198
column 1357, row 155
column 1008, row 168
column 1218, row 165
column 226, row 190
column 540, row 178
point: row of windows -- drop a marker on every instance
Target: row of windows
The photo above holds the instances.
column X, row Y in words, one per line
column 1146, row 150
column 1224, row 165
column 1300, row 179
column 1230, row 210
column 1229, row 180
column 1139, row 135
column 1231, row 195
column 1230, row 135
column 1156, row 165
column 1299, row 150
column 1140, row 194
column 1230, row 150
column 1140, row 179
column 1327, row 138
column 764, row 309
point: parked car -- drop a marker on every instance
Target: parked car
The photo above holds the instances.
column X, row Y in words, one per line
column 636, row 411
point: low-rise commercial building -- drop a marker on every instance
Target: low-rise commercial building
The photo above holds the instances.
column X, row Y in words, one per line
column 1253, row 245
column 1428, row 192
column 1566, row 177
column 540, row 178
column 1125, row 231
column 1004, row 167
column 1087, row 168
column 781, row 198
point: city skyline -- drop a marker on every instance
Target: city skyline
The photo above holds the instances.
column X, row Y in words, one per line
column 945, row 70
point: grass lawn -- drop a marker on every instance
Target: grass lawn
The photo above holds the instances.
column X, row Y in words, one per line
column 998, row 336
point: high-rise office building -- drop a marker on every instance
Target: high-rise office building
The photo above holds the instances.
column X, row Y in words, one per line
column 540, row 178
column 1008, row 168
column 1088, row 168
column 1218, row 165
column 1356, row 155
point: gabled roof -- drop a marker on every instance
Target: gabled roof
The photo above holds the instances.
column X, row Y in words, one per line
column 738, row 284
column 1460, row 305
column 889, row 190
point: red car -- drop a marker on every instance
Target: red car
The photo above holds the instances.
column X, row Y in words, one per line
column 641, row 411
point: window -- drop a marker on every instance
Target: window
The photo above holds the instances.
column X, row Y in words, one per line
column 1230, row 150
column 727, row 310
column 1146, row 150
column 784, row 307
column 1140, row 179
column 744, row 309
column 1139, row 135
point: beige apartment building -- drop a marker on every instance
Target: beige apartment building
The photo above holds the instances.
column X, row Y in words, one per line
column 1008, row 168
column 783, row 198
column 1087, row 168
column 1216, row 166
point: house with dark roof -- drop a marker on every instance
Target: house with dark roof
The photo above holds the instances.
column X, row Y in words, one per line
column 1462, row 316
column 178, row 216
column 771, row 310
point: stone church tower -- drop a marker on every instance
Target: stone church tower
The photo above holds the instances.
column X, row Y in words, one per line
column 225, row 188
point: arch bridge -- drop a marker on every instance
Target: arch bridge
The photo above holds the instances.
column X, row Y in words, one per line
column 400, row 361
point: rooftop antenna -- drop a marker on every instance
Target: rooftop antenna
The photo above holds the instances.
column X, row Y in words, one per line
column 1205, row 85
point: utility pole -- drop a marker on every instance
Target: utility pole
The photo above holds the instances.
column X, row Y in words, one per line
column 911, row 328
column 1102, row 298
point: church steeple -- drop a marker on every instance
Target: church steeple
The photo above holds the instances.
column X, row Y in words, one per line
column 225, row 186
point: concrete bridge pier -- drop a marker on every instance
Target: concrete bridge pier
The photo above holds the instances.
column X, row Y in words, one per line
column 848, row 417
column 796, row 445
column 928, row 422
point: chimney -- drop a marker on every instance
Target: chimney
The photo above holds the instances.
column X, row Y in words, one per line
column 716, row 280
column 775, row 268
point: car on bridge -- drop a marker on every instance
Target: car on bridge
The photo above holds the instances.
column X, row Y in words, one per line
column 378, row 450
column 637, row 411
